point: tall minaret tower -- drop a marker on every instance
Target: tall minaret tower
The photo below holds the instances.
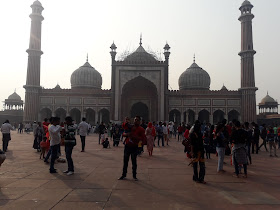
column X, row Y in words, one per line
column 32, row 87
column 248, row 89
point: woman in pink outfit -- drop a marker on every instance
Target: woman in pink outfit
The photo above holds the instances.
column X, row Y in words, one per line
column 150, row 134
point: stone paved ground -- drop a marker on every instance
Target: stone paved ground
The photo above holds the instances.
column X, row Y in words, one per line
column 165, row 181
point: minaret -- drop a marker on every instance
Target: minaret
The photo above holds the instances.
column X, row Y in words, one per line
column 113, row 78
column 166, row 79
column 248, row 89
column 32, row 87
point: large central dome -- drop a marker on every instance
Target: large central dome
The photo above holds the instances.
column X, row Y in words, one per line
column 86, row 77
column 194, row 78
column 140, row 55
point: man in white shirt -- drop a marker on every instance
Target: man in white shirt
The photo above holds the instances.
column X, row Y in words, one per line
column 83, row 130
column 54, row 131
column 6, row 131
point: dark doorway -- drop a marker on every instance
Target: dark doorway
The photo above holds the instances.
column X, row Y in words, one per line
column 203, row 116
column 175, row 116
column 140, row 109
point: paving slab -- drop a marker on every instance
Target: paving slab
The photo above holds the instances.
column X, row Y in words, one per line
column 165, row 180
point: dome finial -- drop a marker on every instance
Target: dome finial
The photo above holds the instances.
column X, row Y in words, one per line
column 87, row 57
column 266, row 92
column 15, row 90
column 194, row 58
column 140, row 40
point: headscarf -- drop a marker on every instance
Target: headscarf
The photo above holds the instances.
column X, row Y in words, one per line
column 150, row 125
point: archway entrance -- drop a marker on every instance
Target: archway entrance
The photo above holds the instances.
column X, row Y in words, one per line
column 140, row 109
column 90, row 116
column 104, row 116
column 233, row 115
column 218, row 116
column 139, row 96
column 203, row 116
column 45, row 113
column 61, row 113
column 175, row 116
column 76, row 115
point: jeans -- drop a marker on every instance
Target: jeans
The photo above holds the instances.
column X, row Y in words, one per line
column 6, row 139
column 162, row 140
column 99, row 137
column 272, row 144
column 207, row 151
column 249, row 153
column 253, row 146
column 54, row 152
column 68, row 152
column 263, row 144
column 201, row 175
column 236, row 166
column 179, row 134
column 83, row 140
column 221, row 156
column 130, row 151
column 48, row 154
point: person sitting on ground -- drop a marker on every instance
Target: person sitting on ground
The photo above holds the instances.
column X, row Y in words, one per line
column 106, row 143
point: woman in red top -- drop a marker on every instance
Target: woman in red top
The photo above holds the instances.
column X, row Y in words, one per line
column 180, row 131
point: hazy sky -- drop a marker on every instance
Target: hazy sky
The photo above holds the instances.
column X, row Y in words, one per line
column 71, row 29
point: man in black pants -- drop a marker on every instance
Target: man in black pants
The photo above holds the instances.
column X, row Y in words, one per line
column 136, row 134
column 101, row 129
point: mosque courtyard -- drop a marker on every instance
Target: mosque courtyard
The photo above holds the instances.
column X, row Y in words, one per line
column 165, row 180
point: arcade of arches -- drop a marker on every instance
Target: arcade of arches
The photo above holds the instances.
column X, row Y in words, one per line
column 139, row 97
column 189, row 116
column 89, row 114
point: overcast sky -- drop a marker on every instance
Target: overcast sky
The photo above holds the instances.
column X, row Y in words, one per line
column 71, row 29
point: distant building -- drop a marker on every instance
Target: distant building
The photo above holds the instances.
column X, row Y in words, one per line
column 13, row 110
column 268, row 111
column 139, row 86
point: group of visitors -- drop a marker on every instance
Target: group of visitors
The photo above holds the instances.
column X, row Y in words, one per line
column 199, row 139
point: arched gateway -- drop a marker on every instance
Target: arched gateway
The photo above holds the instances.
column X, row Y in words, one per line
column 140, row 97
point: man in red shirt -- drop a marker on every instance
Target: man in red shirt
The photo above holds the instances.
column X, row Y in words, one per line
column 136, row 134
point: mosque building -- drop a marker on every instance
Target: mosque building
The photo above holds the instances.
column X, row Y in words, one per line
column 153, row 101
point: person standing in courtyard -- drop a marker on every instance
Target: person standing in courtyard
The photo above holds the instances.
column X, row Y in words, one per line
column 131, row 142
column 271, row 141
column 101, row 130
column 6, row 134
column 221, row 147
column 83, row 130
column 197, row 153
column 239, row 151
column 150, row 134
column 54, row 131
column 160, row 134
column 70, row 142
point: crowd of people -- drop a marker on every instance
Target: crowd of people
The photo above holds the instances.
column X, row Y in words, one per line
column 200, row 140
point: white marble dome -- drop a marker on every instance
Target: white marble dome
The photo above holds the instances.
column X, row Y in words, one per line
column 194, row 78
column 86, row 77
column 14, row 97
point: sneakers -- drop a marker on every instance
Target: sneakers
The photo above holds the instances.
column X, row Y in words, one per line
column 122, row 178
column 135, row 178
column 70, row 173
column 65, row 172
